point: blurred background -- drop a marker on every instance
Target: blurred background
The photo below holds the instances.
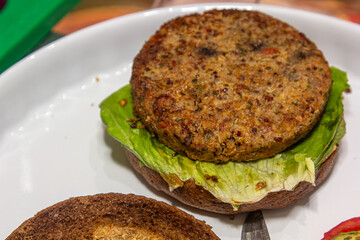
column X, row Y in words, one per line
column 26, row 25
column 88, row 12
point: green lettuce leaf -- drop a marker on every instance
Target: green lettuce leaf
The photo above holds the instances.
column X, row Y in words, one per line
column 232, row 182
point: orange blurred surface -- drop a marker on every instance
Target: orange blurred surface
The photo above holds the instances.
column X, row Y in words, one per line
column 90, row 12
column 83, row 18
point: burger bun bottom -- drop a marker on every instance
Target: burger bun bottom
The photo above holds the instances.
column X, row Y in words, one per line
column 196, row 196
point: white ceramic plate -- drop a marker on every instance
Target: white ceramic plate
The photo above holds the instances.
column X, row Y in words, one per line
column 53, row 145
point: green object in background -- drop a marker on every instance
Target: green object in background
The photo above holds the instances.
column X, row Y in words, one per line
column 23, row 23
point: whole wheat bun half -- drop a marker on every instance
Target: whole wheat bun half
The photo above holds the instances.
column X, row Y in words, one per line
column 112, row 216
column 196, row 196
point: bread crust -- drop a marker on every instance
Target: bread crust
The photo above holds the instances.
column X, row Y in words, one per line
column 88, row 217
column 229, row 85
column 196, row 196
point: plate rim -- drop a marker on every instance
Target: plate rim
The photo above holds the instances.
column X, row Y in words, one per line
column 40, row 53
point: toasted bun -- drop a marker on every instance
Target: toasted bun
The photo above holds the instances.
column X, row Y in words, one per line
column 112, row 216
column 196, row 196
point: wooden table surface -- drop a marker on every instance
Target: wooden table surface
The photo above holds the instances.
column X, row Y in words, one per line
column 89, row 12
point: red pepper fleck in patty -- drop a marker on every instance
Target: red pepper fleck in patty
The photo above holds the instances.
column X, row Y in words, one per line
column 269, row 51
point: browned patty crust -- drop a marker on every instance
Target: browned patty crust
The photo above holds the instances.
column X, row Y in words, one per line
column 229, row 85
column 112, row 216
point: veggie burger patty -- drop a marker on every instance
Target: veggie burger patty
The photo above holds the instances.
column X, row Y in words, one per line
column 229, row 85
